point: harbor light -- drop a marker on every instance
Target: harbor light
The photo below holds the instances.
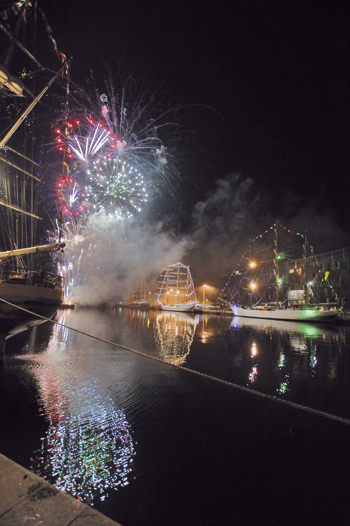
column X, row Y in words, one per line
column 204, row 294
column 253, row 350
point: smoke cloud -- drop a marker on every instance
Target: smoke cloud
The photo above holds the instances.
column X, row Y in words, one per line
column 123, row 253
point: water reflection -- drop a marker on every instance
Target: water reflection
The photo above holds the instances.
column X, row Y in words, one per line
column 86, row 455
column 292, row 355
column 206, row 329
column 139, row 319
column 88, row 448
column 290, row 327
column 99, row 403
column 174, row 333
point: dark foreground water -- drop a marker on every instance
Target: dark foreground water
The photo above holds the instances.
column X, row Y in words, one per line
column 148, row 443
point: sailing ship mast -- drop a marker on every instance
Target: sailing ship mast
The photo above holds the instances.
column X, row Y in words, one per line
column 306, row 261
column 276, row 267
column 177, row 286
column 32, row 250
column 29, row 109
column 13, row 87
column 276, row 264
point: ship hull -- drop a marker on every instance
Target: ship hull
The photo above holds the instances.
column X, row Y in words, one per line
column 179, row 308
column 301, row 315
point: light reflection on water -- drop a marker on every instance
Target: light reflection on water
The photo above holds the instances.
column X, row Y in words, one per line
column 86, row 457
column 95, row 396
column 300, row 362
column 88, row 448
column 174, row 333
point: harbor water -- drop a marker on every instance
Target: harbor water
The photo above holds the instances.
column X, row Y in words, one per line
column 212, row 421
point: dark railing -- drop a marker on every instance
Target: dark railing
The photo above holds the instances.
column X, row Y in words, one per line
column 39, row 278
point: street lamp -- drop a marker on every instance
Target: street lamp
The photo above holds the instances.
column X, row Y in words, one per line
column 252, row 289
column 204, row 294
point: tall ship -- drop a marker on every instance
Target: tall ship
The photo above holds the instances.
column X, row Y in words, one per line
column 270, row 284
column 176, row 289
column 27, row 288
column 138, row 297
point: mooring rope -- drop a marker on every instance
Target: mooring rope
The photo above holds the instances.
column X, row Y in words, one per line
column 203, row 375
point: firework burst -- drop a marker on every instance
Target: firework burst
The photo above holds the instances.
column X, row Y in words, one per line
column 135, row 124
column 115, row 187
column 117, row 151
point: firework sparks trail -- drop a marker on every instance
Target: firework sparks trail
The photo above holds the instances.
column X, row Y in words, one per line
column 74, row 195
column 139, row 132
column 70, row 198
column 92, row 145
column 78, row 248
column 134, row 125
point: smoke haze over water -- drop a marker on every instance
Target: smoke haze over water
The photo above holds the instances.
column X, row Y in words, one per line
column 126, row 252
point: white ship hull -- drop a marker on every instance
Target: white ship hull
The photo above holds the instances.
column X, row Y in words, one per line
column 307, row 314
column 182, row 307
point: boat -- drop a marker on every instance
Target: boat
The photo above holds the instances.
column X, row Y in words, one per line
column 28, row 294
column 28, row 291
column 180, row 307
column 302, row 314
column 177, row 291
column 271, row 284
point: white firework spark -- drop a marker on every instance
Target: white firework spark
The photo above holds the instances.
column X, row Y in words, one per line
column 85, row 148
column 78, row 248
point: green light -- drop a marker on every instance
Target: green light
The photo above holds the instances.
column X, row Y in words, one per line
column 280, row 256
column 283, row 388
column 310, row 330
column 309, row 313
